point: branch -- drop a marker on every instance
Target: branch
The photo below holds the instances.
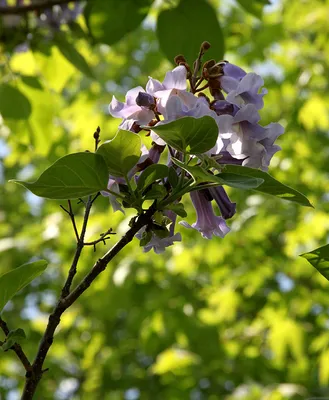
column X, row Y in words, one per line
column 17, row 348
column 65, row 302
column 80, row 245
column 23, row 9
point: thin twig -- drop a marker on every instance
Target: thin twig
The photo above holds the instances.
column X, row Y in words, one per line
column 80, row 245
column 23, row 9
column 16, row 347
column 71, row 214
column 64, row 303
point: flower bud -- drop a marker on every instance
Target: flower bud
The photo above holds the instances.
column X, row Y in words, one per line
column 179, row 59
column 145, row 100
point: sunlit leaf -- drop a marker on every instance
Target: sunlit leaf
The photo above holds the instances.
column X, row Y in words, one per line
column 121, row 153
column 70, row 177
column 189, row 134
column 13, row 281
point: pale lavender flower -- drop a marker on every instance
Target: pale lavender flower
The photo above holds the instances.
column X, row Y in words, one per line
column 242, row 88
column 129, row 111
column 113, row 185
column 207, row 223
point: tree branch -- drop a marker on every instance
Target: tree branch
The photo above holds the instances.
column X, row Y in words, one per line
column 17, row 348
column 65, row 302
column 23, row 9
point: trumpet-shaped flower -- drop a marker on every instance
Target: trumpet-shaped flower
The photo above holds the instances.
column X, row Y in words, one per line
column 207, row 223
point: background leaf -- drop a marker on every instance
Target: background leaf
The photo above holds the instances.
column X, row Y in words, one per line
column 181, row 30
column 109, row 21
column 70, row 177
column 13, row 103
column 13, row 281
column 254, row 7
column 189, row 134
column 319, row 258
column 72, row 55
column 121, row 153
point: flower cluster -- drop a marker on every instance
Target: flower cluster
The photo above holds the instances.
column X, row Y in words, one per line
column 222, row 91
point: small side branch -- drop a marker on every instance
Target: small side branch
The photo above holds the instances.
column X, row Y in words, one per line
column 17, row 348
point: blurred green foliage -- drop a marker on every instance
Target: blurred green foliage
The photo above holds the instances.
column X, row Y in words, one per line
column 238, row 318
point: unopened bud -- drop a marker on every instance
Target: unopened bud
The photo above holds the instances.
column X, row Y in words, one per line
column 145, row 100
column 97, row 133
column 205, row 46
column 179, row 59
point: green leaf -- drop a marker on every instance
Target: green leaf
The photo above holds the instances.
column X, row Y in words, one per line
column 319, row 258
column 172, row 177
column 254, row 7
column 178, row 209
column 146, row 237
column 70, row 177
column 72, row 55
column 152, row 174
column 181, row 30
column 109, row 21
column 13, row 281
column 157, row 192
column 15, row 336
column 13, row 103
column 201, row 176
column 189, row 134
column 32, row 81
column 270, row 185
column 121, row 153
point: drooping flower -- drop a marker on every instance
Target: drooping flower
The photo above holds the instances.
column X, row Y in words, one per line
column 207, row 223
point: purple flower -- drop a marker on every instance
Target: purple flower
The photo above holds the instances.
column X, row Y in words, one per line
column 129, row 111
column 174, row 82
column 246, row 140
column 227, row 208
column 113, row 185
column 207, row 223
column 242, row 88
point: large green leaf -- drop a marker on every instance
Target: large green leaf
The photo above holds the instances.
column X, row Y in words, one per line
column 13, row 281
column 110, row 20
column 319, row 258
column 201, row 176
column 72, row 55
column 121, row 153
column 181, row 30
column 13, row 103
column 70, row 177
column 270, row 185
column 189, row 134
